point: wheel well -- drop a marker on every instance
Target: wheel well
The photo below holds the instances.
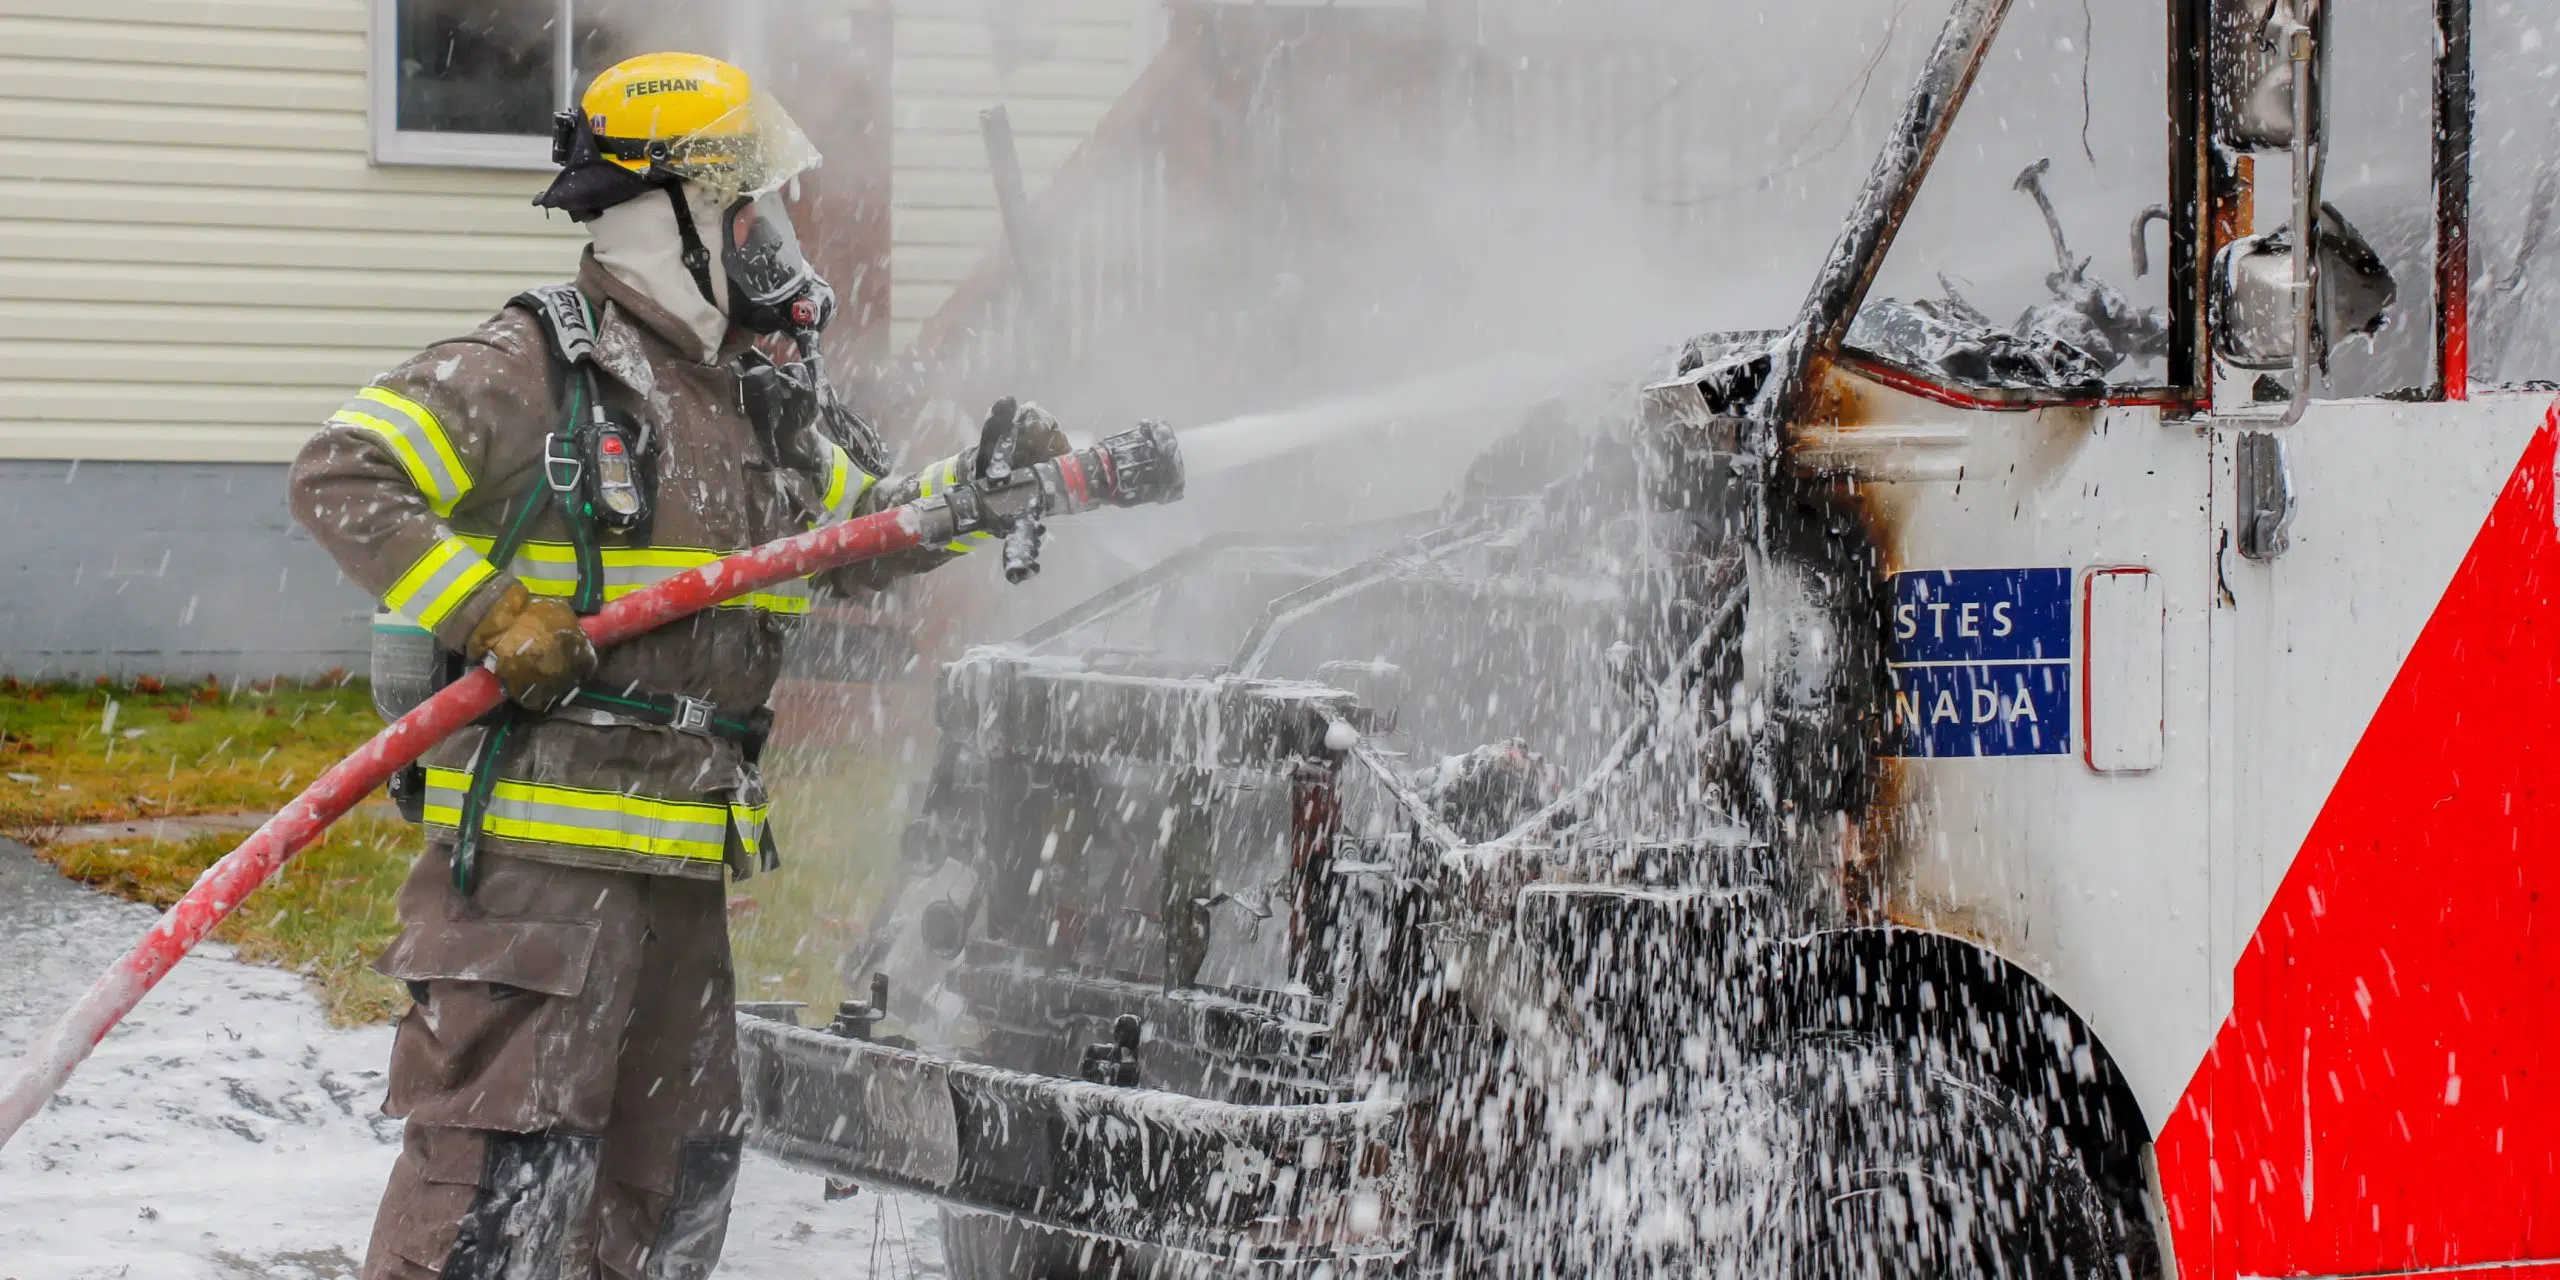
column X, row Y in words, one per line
column 1910, row 985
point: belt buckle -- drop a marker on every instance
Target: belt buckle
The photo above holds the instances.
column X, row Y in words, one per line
column 692, row 715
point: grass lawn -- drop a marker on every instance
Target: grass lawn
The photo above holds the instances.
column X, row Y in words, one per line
column 174, row 751
column 83, row 754
column 839, row 811
column 327, row 914
column 74, row 754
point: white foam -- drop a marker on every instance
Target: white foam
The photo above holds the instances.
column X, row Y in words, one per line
column 226, row 1132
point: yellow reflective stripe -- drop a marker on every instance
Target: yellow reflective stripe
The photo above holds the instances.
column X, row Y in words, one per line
column 748, row 820
column 839, row 476
column 551, row 569
column 938, row 476
column 427, row 423
column 439, row 582
column 541, row 812
column 846, row 484
column 413, row 433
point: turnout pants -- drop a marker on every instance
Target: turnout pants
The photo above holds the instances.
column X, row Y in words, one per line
column 568, row 1074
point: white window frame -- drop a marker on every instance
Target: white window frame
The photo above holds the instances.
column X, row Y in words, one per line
column 393, row 145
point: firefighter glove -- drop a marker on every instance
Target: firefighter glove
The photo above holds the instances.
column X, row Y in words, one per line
column 535, row 646
column 1039, row 437
column 784, row 402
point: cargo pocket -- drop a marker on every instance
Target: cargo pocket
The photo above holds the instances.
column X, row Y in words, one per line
column 673, row 1228
column 432, row 1189
column 498, row 1040
column 468, row 1205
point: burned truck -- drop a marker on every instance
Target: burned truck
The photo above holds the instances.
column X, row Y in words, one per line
column 1919, row 797
column 1340, row 938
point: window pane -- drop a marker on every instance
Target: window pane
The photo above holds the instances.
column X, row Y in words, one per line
column 1971, row 291
column 2515, row 176
column 477, row 66
column 2381, row 175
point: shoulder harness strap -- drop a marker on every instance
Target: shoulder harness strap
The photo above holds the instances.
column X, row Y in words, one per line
column 567, row 322
column 563, row 312
column 572, row 334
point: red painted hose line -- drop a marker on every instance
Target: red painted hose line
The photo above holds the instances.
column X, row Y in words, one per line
column 225, row 884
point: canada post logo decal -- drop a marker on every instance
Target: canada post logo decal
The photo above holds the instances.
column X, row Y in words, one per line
column 1980, row 663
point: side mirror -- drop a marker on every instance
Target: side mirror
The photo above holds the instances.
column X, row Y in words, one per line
column 2258, row 70
column 2253, row 298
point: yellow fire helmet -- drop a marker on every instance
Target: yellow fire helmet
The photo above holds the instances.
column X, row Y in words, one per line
column 662, row 118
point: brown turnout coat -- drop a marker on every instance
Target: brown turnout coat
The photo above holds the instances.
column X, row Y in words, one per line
column 407, row 486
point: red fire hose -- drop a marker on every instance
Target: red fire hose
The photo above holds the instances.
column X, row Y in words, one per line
column 225, row 884
column 1131, row 469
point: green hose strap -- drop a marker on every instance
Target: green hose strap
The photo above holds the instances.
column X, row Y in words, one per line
column 485, row 763
column 587, row 697
column 580, row 512
column 503, row 551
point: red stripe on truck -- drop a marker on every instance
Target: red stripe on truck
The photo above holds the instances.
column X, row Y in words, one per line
column 2384, row 1098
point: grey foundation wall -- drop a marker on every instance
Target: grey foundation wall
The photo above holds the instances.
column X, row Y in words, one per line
column 172, row 569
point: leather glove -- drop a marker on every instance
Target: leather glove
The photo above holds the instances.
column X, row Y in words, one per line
column 1040, row 437
column 784, row 403
column 536, row 648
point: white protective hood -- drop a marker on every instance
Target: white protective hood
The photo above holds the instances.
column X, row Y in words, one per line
column 636, row 240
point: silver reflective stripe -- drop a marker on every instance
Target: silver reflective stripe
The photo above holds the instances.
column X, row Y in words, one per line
column 424, row 440
column 432, row 599
column 546, row 577
column 554, row 576
column 632, row 824
column 795, row 589
column 938, row 476
column 649, row 833
column 632, row 577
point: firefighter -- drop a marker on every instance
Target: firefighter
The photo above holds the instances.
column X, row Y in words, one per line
column 568, row 1069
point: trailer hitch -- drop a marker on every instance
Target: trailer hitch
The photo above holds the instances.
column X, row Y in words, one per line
column 1115, row 1062
column 854, row 1019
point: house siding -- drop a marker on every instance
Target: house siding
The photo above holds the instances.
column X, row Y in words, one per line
column 1064, row 63
column 166, row 568
column 197, row 257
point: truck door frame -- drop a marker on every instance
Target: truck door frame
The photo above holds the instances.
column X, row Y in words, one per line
column 2208, row 196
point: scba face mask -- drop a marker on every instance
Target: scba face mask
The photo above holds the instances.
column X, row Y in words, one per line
column 772, row 287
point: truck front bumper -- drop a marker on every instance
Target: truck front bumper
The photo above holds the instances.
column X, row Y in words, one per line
column 1303, row 1183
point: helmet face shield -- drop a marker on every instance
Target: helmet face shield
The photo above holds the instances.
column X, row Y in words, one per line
column 772, row 287
column 749, row 151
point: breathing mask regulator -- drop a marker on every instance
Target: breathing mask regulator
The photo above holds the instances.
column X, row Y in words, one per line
column 774, row 290
column 772, row 287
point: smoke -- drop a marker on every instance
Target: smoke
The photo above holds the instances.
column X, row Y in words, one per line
column 1314, row 208
column 1400, row 196
column 1370, row 240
